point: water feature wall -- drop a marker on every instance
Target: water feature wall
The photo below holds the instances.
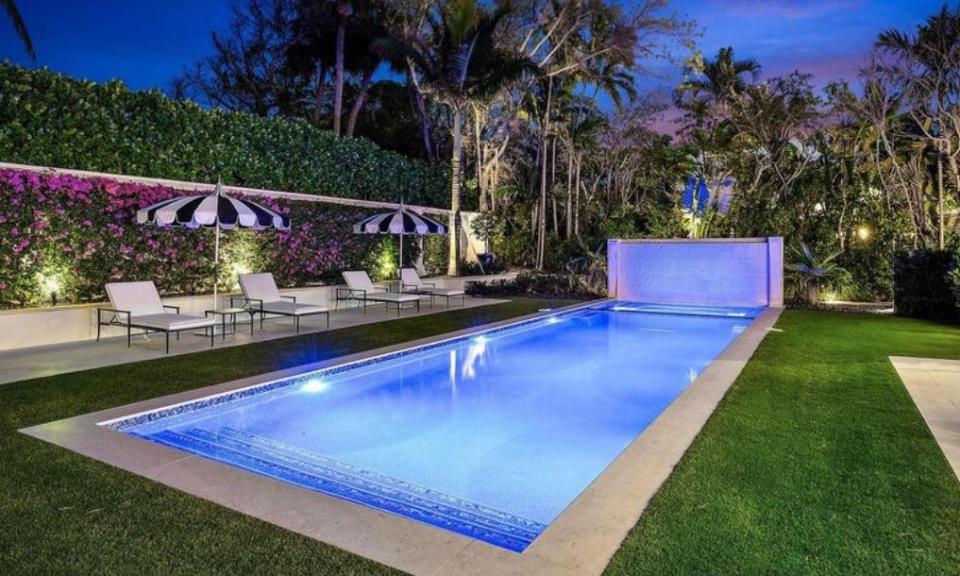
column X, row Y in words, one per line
column 711, row 271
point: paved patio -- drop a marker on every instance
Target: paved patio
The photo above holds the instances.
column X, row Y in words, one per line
column 27, row 363
column 934, row 386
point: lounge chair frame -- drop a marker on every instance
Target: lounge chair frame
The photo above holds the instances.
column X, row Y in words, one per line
column 129, row 324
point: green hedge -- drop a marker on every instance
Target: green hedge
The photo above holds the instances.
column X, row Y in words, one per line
column 52, row 120
column 923, row 284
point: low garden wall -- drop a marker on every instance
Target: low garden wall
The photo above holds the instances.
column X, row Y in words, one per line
column 73, row 323
column 64, row 234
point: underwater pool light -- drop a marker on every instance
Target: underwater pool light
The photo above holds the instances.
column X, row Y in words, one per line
column 314, row 385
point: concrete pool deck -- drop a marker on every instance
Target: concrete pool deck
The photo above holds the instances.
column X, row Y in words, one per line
column 40, row 361
column 934, row 386
column 580, row 541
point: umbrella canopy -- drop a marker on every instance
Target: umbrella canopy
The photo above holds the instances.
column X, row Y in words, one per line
column 216, row 210
column 401, row 221
column 211, row 210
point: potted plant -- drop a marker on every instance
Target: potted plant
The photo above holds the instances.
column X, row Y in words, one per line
column 813, row 272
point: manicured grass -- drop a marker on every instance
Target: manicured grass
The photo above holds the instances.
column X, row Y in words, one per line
column 816, row 462
column 62, row 513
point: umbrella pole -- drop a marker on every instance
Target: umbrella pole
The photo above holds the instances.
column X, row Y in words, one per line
column 216, row 263
column 400, row 267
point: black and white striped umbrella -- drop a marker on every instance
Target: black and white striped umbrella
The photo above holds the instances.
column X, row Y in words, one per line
column 216, row 210
column 212, row 210
column 402, row 222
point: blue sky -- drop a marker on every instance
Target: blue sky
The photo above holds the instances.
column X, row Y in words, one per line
column 147, row 43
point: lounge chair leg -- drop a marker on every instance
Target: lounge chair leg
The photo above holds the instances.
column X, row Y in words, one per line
column 213, row 334
column 328, row 320
column 296, row 322
column 168, row 341
column 98, row 330
column 128, row 335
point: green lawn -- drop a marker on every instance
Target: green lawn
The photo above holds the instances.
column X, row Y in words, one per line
column 816, row 462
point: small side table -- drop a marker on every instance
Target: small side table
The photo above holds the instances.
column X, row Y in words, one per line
column 231, row 314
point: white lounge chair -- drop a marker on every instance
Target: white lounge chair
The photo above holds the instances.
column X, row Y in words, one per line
column 138, row 305
column 263, row 297
column 410, row 281
column 359, row 287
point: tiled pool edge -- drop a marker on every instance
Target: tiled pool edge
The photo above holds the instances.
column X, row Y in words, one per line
column 580, row 541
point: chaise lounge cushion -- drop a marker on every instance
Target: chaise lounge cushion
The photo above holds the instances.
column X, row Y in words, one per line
column 292, row 308
column 137, row 298
column 391, row 297
column 409, row 277
column 260, row 287
column 171, row 322
column 358, row 280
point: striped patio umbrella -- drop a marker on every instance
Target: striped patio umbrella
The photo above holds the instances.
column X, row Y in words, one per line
column 402, row 222
column 217, row 211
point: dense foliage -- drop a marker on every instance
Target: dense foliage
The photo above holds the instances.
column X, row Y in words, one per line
column 52, row 120
column 924, row 284
column 69, row 236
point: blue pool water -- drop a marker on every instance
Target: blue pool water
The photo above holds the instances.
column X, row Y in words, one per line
column 490, row 435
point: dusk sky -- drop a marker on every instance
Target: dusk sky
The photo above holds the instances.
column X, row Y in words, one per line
column 148, row 43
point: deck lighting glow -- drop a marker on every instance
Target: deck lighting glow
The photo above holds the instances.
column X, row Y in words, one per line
column 552, row 320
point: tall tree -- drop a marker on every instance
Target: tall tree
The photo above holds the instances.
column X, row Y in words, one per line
column 460, row 62
column 246, row 71
column 926, row 65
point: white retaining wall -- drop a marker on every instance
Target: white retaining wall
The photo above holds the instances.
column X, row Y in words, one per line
column 63, row 324
column 712, row 271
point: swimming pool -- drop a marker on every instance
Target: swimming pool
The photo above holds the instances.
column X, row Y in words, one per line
column 490, row 435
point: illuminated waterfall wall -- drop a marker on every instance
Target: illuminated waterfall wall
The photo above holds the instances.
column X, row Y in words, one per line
column 712, row 271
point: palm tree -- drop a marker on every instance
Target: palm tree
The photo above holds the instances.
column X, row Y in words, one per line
column 925, row 64
column 461, row 64
column 20, row 26
column 715, row 84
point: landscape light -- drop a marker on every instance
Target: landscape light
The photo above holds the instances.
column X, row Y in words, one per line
column 863, row 233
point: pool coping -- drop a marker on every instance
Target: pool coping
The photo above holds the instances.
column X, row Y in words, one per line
column 581, row 540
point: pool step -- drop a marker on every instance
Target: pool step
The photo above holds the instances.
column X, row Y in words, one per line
column 300, row 467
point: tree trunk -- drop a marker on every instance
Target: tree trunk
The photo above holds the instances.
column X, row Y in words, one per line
column 453, row 265
column 342, row 12
column 568, row 232
column 422, row 111
column 358, row 101
column 542, row 216
column 940, row 214
column 576, row 201
column 553, row 186
column 481, row 188
column 318, row 95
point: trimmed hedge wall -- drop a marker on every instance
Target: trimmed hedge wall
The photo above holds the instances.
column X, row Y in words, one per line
column 924, row 284
column 73, row 235
column 48, row 119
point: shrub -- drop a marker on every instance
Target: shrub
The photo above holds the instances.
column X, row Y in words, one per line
column 533, row 284
column 923, row 286
column 52, row 120
column 72, row 235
